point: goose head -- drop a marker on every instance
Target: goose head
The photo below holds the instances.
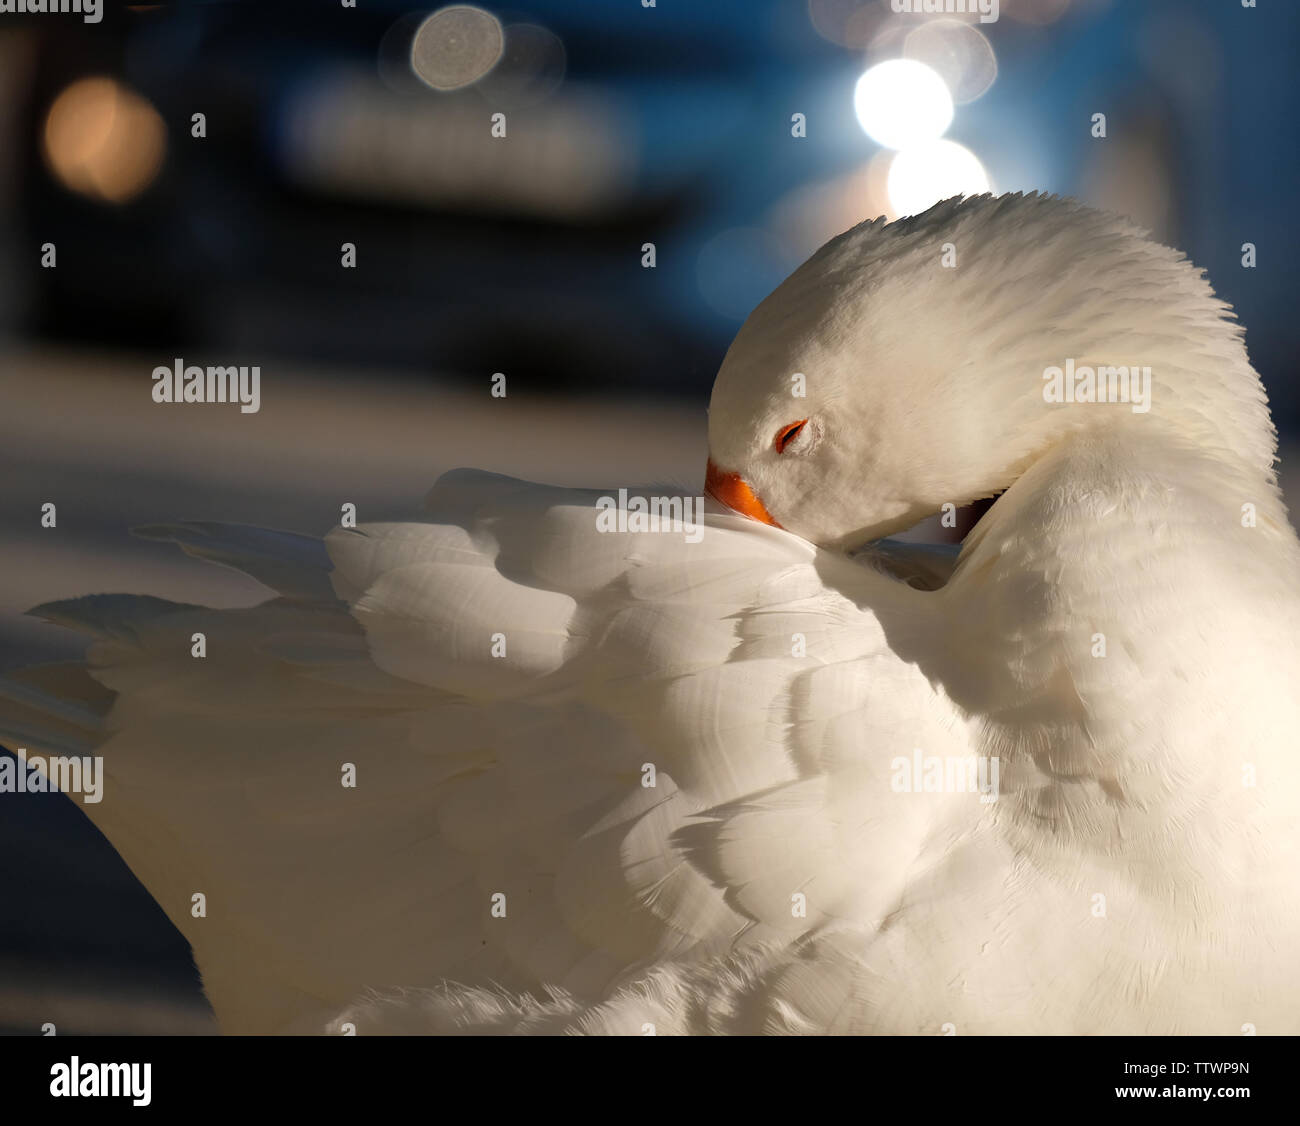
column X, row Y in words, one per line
column 902, row 367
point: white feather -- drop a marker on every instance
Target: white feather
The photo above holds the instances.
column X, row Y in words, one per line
column 611, row 781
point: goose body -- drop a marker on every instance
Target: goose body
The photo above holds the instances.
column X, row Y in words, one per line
column 770, row 773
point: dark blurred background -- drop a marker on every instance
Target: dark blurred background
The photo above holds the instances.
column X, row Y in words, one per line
column 734, row 136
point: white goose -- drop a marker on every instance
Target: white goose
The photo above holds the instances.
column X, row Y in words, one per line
column 615, row 781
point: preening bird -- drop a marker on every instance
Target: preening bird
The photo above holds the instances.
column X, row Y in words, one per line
column 779, row 776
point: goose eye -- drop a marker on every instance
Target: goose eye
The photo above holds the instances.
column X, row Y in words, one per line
column 788, row 434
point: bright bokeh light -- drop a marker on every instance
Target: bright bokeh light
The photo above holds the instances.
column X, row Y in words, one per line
column 456, row 46
column 959, row 53
column 103, row 140
column 922, row 175
column 901, row 103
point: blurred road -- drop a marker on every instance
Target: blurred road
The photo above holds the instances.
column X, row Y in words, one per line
column 85, row 434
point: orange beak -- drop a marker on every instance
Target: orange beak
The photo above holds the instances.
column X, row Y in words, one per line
column 729, row 489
